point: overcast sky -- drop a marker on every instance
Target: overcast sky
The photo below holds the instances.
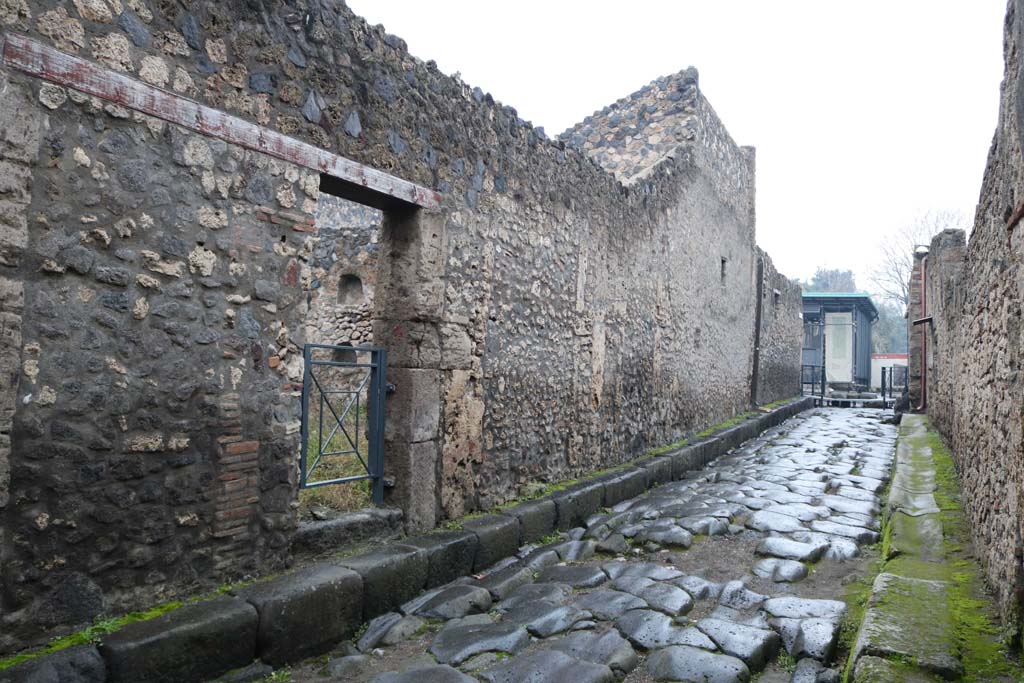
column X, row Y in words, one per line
column 864, row 115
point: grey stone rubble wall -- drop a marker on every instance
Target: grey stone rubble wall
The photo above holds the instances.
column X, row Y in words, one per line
column 344, row 265
column 781, row 332
column 974, row 387
column 305, row 613
column 547, row 322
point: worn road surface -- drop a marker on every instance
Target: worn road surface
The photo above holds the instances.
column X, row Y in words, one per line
column 712, row 578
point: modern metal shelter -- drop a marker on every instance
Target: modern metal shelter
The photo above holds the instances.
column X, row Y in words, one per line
column 837, row 336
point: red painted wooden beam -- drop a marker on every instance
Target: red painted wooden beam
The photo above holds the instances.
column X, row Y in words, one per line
column 364, row 183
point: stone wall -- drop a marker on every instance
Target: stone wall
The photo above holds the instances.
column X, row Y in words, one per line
column 158, row 283
column 344, row 264
column 782, row 330
column 973, row 388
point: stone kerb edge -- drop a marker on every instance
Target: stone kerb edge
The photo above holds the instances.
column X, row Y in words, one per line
column 529, row 521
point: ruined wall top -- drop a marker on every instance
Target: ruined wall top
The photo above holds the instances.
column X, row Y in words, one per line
column 667, row 119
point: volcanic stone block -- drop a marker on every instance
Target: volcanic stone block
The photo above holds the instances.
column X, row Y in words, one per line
column 731, row 437
column 911, row 619
column 575, row 503
column 623, row 486
column 391, row 576
column 193, row 643
column 548, row 666
column 497, row 536
column 504, row 581
column 449, row 554
column 686, row 459
column 712, row 448
column 536, row 519
column 659, row 469
column 81, row 664
column 684, row 663
column 305, row 613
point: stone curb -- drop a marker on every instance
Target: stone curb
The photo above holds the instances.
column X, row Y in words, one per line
column 924, row 634
column 308, row 611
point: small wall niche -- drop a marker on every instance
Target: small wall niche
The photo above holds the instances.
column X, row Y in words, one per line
column 350, row 291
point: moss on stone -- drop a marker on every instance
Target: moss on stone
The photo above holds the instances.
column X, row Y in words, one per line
column 980, row 645
column 90, row 635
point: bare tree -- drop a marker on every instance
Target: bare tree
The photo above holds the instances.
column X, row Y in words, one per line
column 892, row 276
column 831, row 280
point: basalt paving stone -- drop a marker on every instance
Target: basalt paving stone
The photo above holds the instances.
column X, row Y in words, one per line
column 691, row 665
column 545, row 619
column 705, row 526
column 738, row 596
column 804, row 608
column 458, row 641
column 672, row 536
column 455, row 602
column 699, row 588
column 816, row 638
column 857, row 534
column 376, row 630
column 502, row 582
column 787, row 628
column 427, row 674
column 575, row 551
column 755, row 646
column 813, row 671
column 801, row 511
column 837, row 547
column 762, row 520
column 843, row 505
column 651, row 630
column 650, row 570
column 780, row 571
column 577, row 576
column 663, row 597
column 608, row 648
column 406, row 627
column 558, row 593
column 789, row 549
column 547, row 666
column 540, row 559
column 615, row 544
column 609, row 604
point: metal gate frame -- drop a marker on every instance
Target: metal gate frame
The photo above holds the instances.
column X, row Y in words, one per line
column 377, row 379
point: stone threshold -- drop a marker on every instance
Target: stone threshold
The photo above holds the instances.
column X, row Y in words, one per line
column 307, row 612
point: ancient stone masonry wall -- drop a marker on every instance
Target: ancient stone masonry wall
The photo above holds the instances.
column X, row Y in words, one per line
column 781, row 333
column 973, row 388
column 344, row 265
column 157, row 285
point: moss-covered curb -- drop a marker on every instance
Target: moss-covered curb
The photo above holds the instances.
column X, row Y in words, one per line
column 922, row 545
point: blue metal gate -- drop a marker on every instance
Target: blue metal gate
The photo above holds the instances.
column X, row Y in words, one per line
column 343, row 390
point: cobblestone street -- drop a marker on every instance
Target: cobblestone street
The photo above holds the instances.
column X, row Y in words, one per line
column 712, row 578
